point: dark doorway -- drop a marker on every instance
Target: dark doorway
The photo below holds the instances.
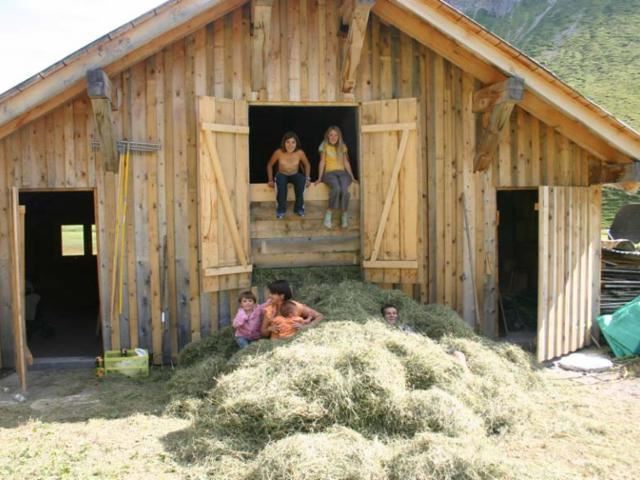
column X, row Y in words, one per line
column 62, row 299
column 518, row 265
column 267, row 125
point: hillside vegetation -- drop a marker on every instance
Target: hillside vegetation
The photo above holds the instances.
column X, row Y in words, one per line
column 590, row 44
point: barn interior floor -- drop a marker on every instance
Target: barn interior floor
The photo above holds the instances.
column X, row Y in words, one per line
column 525, row 339
column 66, row 332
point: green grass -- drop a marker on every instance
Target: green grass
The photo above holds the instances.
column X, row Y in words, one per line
column 589, row 44
column 72, row 240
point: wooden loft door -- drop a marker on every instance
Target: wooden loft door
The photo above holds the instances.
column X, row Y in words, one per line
column 390, row 191
column 223, row 193
column 568, row 268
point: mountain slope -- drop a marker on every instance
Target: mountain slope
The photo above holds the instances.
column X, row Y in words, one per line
column 593, row 45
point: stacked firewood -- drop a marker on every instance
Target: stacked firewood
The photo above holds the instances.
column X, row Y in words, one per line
column 620, row 278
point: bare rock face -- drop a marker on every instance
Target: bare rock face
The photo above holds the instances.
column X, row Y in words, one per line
column 496, row 8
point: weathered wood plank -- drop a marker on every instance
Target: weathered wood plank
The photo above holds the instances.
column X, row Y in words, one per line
column 153, row 76
column 543, row 274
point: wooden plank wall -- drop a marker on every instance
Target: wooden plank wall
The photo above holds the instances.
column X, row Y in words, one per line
column 50, row 153
column 157, row 103
column 530, row 154
column 302, row 241
column 569, row 252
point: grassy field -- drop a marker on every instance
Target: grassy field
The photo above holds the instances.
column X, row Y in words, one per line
column 74, row 426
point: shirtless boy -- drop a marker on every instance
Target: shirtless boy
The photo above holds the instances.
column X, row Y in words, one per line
column 289, row 157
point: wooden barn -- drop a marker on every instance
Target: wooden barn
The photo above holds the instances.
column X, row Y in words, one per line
column 133, row 195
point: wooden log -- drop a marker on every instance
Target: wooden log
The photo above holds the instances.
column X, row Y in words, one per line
column 506, row 91
column 496, row 102
column 260, row 42
column 614, row 173
column 99, row 91
column 357, row 17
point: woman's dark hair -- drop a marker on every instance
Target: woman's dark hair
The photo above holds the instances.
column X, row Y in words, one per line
column 281, row 287
column 286, row 137
column 388, row 305
column 248, row 294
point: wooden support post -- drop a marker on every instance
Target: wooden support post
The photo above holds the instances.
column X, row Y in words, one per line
column 260, row 42
column 99, row 91
column 355, row 13
column 496, row 102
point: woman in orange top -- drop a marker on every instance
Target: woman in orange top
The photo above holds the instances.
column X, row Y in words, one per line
column 286, row 324
column 279, row 319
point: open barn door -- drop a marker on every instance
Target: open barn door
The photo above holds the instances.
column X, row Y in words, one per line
column 223, row 193
column 22, row 354
column 389, row 175
column 568, row 268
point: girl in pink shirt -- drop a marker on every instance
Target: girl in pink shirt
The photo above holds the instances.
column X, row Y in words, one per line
column 248, row 319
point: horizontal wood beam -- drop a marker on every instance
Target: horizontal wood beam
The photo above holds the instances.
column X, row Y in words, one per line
column 489, row 49
column 454, row 52
column 412, row 264
column 261, row 192
column 224, row 128
column 218, row 271
column 510, row 90
column 387, row 127
column 115, row 54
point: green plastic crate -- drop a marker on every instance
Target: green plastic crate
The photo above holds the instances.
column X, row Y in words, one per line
column 131, row 365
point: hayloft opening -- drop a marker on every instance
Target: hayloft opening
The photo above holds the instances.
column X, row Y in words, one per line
column 62, row 299
column 518, row 265
column 267, row 125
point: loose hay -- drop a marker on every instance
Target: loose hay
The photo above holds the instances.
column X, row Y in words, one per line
column 220, row 343
column 338, row 454
column 318, row 404
column 436, row 457
column 358, row 302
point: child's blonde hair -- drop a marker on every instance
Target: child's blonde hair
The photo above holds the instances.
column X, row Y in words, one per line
column 340, row 146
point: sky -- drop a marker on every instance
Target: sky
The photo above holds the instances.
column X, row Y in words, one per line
column 37, row 33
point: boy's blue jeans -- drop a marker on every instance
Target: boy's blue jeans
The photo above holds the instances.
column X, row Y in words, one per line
column 243, row 342
column 299, row 181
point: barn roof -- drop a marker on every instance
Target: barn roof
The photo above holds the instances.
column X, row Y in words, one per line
column 435, row 23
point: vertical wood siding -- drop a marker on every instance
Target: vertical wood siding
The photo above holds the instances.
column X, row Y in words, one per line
column 157, row 100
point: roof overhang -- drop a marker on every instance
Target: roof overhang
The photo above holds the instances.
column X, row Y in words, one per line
column 113, row 52
column 490, row 59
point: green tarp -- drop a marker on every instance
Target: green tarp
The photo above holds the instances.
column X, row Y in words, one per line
column 622, row 329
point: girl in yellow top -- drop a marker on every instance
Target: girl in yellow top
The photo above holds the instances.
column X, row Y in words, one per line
column 335, row 171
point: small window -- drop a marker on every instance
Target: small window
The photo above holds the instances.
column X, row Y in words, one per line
column 94, row 242
column 72, row 240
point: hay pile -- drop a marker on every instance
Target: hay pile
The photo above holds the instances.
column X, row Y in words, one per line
column 353, row 398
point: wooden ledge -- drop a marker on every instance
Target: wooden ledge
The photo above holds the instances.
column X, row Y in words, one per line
column 261, row 192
